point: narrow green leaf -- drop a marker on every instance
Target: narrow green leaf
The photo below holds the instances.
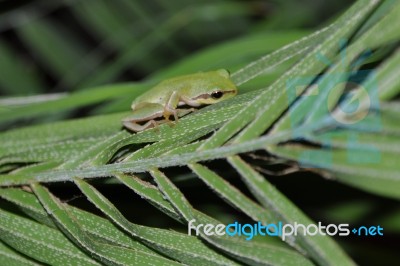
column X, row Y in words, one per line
column 173, row 195
column 231, row 194
column 277, row 96
column 10, row 257
column 28, row 203
column 321, row 248
column 72, row 101
column 367, row 168
column 108, row 254
column 381, row 33
column 246, row 114
column 388, row 77
column 241, row 249
column 144, row 164
column 95, row 226
column 39, row 241
column 150, row 193
column 181, row 247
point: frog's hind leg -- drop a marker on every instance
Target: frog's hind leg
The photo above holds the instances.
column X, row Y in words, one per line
column 133, row 126
column 144, row 116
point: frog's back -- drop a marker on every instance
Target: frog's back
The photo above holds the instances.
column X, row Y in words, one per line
column 187, row 84
column 156, row 94
column 162, row 91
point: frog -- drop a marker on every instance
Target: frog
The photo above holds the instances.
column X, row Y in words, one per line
column 170, row 97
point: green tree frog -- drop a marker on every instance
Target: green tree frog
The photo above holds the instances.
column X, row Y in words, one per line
column 160, row 102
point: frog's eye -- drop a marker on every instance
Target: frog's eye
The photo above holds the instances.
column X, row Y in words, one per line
column 217, row 94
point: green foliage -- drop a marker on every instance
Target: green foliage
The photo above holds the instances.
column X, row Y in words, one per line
column 45, row 146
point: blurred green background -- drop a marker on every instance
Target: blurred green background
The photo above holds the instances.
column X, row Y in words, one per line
column 66, row 46
column 59, row 46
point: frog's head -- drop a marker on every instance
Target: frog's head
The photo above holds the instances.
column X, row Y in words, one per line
column 215, row 88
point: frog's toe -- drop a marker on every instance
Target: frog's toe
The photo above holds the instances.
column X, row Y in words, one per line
column 167, row 114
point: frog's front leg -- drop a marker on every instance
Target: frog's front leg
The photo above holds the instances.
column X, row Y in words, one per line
column 170, row 107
